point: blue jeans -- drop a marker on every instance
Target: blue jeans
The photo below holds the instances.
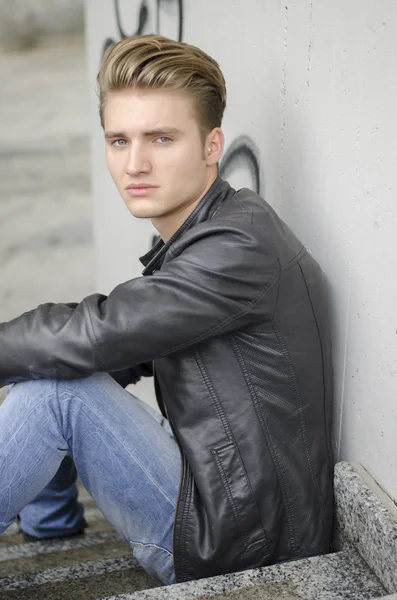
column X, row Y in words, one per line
column 124, row 453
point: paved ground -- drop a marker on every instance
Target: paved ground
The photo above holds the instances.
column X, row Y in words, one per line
column 46, row 248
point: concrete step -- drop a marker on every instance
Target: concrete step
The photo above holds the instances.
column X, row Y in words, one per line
column 96, row 522
column 99, row 566
column 83, row 567
column 81, row 581
column 337, row 576
column 36, row 556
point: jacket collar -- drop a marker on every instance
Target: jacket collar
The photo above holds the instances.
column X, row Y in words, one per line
column 205, row 209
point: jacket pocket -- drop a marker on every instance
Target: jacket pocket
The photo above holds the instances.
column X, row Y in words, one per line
column 240, row 496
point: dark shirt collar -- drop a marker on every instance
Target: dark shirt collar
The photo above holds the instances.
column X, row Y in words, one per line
column 207, row 206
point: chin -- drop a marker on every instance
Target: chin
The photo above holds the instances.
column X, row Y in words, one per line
column 140, row 213
column 143, row 212
column 141, row 208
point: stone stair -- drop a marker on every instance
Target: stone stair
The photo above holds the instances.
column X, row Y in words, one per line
column 89, row 566
column 99, row 565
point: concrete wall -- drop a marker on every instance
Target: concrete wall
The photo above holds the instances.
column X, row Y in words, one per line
column 311, row 122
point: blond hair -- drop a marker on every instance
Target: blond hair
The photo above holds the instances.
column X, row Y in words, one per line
column 156, row 62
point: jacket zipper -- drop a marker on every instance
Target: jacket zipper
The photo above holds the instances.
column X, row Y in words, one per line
column 177, row 506
column 180, row 477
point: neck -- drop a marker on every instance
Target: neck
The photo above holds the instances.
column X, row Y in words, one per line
column 167, row 225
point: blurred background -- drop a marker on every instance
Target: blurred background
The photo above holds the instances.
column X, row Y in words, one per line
column 46, row 240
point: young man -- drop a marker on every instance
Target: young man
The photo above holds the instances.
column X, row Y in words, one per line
column 229, row 316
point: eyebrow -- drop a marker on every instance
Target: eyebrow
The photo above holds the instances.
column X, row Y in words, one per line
column 151, row 132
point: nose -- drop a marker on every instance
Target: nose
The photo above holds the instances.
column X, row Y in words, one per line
column 137, row 161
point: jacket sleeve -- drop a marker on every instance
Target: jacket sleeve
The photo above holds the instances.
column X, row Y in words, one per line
column 222, row 278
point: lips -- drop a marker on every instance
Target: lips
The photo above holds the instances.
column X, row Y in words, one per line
column 140, row 186
column 140, row 189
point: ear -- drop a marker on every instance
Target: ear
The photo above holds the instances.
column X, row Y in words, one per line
column 214, row 146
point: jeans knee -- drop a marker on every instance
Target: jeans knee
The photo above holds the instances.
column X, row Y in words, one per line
column 85, row 383
column 34, row 388
column 29, row 400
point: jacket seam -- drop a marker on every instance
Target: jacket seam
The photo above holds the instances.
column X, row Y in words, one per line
column 241, row 205
column 294, row 260
column 225, row 322
column 229, row 495
column 217, row 209
column 215, row 400
column 296, row 390
column 249, row 218
column 229, row 434
column 96, row 343
column 269, row 442
column 249, row 212
column 234, row 197
column 322, row 360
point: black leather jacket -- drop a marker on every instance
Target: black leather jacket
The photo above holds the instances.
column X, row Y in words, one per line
column 232, row 312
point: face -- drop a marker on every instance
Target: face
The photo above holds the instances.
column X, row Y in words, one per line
column 155, row 154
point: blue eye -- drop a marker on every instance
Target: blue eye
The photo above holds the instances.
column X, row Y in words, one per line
column 117, row 143
column 164, row 139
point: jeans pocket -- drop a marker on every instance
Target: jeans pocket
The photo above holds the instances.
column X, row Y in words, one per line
column 157, row 561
